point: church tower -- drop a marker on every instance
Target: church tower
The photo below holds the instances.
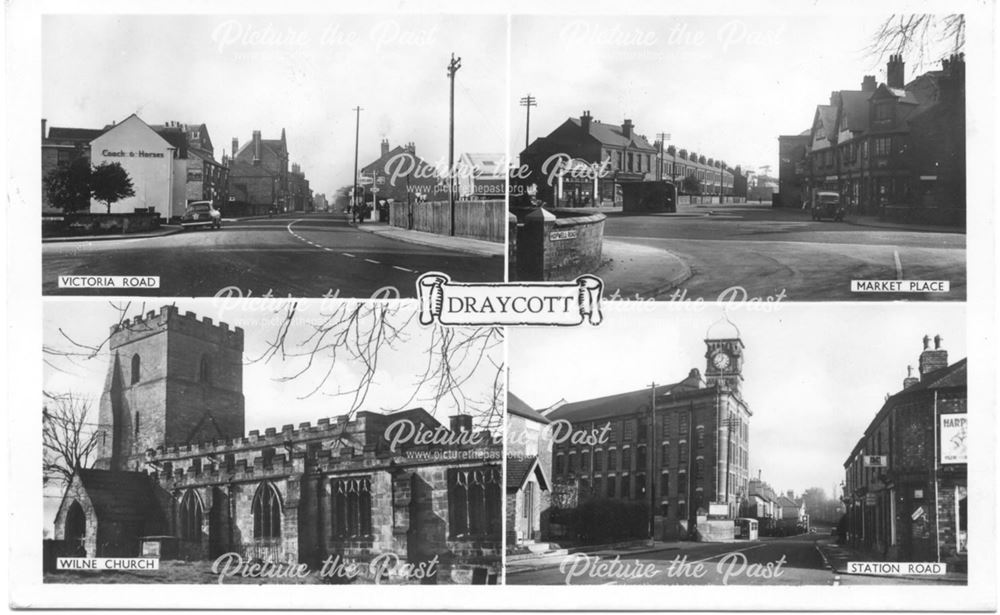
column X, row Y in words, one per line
column 724, row 355
column 173, row 380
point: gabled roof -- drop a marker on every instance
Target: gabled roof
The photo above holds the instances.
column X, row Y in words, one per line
column 826, row 118
column 487, row 165
column 853, row 110
column 955, row 375
column 517, row 407
column 610, row 134
column 621, row 403
column 118, row 496
column 785, row 501
column 520, row 468
column 379, row 163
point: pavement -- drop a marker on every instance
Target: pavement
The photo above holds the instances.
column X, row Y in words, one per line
column 630, row 266
column 166, row 229
column 836, row 557
column 445, row 242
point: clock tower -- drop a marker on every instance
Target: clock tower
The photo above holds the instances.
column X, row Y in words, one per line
column 724, row 355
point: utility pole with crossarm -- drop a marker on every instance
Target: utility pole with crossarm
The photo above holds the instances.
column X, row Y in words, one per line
column 453, row 66
column 528, row 101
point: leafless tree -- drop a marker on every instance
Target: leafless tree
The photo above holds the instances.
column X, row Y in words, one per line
column 360, row 332
column 68, row 438
column 924, row 37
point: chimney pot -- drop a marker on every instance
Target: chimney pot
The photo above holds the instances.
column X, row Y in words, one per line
column 585, row 121
column 461, row 422
column 938, row 341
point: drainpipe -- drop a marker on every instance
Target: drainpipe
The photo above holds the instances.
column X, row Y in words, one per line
column 937, row 515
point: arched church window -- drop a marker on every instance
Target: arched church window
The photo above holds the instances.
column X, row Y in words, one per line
column 266, row 510
column 190, row 517
column 136, row 365
column 205, row 370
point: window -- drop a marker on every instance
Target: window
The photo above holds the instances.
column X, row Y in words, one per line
column 642, row 430
column 683, row 428
column 612, row 460
column 205, row 369
column 572, row 462
column 699, row 469
column 629, row 430
column 474, row 502
column 266, row 510
column 190, row 517
column 883, row 111
column 640, row 485
column 701, row 437
column 640, row 458
column 664, row 485
column 682, row 453
column 136, row 368
column 883, row 147
column 598, row 460
column 352, row 507
column 626, row 484
column 559, row 464
column 626, row 459
column 665, row 453
column 585, row 462
column 610, row 486
column 682, row 484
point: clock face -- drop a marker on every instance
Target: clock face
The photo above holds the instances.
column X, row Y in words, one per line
column 720, row 360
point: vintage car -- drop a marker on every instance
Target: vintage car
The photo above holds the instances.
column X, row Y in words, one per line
column 201, row 213
column 828, row 205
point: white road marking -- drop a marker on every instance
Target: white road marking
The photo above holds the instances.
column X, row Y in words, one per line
column 899, row 265
column 347, row 254
column 368, row 260
column 403, row 269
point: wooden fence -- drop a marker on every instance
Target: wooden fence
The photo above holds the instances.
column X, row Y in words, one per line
column 486, row 220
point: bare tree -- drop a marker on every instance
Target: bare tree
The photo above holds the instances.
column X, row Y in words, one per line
column 924, row 37
column 68, row 439
column 361, row 332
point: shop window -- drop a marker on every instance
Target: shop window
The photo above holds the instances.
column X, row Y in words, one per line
column 190, row 517
column 474, row 502
column 351, row 507
column 266, row 509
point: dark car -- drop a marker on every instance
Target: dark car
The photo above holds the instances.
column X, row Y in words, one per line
column 828, row 205
column 201, row 213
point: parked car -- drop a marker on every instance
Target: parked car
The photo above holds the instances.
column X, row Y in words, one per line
column 828, row 205
column 201, row 213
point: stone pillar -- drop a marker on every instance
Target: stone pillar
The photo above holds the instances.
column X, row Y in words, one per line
column 531, row 244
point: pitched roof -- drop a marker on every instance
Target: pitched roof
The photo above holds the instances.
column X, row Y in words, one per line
column 610, row 134
column 517, row 407
column 487, row 165
column 175, row 138
column 118, row 496
column 784, row 500
column 379, row 163
column 827, row 115
column 520, row 468
column 57, row 133
column 954, row 375
column 621, row 403
column 854, row 110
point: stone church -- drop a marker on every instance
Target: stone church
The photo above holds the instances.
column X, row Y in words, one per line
column 176, row 469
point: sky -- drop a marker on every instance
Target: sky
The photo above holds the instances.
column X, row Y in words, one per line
column 270, row 401
column 814, row 375
column 722, row 86
column 303, row 73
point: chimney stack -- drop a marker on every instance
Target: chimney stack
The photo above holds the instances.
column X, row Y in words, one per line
column 627, row 129
column 894, row 72
column 910, row 379
column 236, row 146
column 585, row 121
column 385, row 147
column 256, row 147
column 868, row 83
column 461, row 422
column 932, row 359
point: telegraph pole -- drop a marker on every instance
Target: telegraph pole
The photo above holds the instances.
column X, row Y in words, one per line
column 354, row 193
column 663, row 136
column 453, row 66
column 528, row 101
column 651, row 482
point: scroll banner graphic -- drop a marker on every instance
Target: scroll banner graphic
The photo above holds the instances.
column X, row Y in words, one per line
column 563, row 304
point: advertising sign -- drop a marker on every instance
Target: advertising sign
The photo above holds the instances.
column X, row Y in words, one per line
column 876, row 461
column 954, row 428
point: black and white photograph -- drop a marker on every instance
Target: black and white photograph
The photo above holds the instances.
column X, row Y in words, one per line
column 305, row 156
column 762, row 156
column 742, row 448
column 344, row 444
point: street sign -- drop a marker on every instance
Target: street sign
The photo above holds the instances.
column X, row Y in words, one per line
column 876, row 461
column 919, row 512
column 366, row 180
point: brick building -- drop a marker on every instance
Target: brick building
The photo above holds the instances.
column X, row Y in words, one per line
column 61, row 146
column 206, row 178
column 679, row 447
column 259, row 176
column 529, row 472
column 399, row 174
column 906, row 478
column 895, row 149
column 792, row 188
column 177, row 465
column 714, row 176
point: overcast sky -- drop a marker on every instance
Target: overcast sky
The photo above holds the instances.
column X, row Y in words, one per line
column 815, row 375
column 722, row 86
column 304, row 73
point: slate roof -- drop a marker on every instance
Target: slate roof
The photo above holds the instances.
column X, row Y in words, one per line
column 620, row 403
column 517, row 407
column 611, row 134
column 854, row 110
column 519, row 469
column 828, row 121
column 955, row 375
column 59, row 133
column 118, row 496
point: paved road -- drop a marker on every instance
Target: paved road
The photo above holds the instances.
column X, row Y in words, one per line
column 793, row 560
column 306, row 256
column 767, row 251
